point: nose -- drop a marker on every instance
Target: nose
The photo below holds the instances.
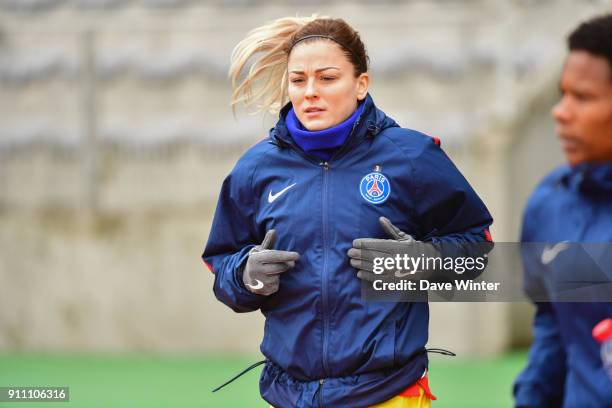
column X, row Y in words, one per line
column 562, row 111
column 311, row 89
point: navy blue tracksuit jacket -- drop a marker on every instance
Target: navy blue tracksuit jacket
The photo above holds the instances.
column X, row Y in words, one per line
column 323, row 344
column 565, row 367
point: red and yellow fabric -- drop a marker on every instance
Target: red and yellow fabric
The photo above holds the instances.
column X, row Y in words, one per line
column 418, row 395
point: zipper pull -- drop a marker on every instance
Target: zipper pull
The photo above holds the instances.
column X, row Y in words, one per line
column 325, row 165
column 319, row 390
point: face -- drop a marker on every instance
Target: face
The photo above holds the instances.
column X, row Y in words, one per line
column 322, row 85
column 584, row 113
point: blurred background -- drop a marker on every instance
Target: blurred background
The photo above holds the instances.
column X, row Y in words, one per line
column 115, row 136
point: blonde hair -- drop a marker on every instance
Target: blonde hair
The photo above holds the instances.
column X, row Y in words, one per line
column 264, row 87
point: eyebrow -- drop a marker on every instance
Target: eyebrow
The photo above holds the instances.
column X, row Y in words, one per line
column 316, row 70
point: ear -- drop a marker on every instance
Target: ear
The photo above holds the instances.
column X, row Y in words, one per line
column 363, row 81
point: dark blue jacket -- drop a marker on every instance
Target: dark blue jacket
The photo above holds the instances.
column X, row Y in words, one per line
column 324, row 345
column 565, row 367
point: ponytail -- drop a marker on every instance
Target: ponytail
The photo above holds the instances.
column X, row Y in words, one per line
column 264, row 87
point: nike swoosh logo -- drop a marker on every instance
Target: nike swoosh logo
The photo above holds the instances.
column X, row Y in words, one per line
column 258, row 284
column 399, row 274
column 550, row 252
column 272, row 197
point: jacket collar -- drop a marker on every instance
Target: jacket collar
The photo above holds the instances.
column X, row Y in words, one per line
column 589, row 177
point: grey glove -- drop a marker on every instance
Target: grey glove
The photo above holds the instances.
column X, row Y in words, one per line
column 365, row 250
column 264, row 265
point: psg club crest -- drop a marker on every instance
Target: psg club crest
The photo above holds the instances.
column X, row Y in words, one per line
column 375, row 188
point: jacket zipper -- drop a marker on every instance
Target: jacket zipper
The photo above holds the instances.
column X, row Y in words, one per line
column 325, row 166
column 324, row 288
column 324, row 280
column 319, row 392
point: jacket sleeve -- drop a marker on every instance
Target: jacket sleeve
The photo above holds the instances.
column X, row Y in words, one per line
column 232, row 236
column 447, row 207
column 541, row 384
column 449, row 211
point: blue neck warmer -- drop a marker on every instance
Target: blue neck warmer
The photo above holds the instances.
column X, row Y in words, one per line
column 321, row 143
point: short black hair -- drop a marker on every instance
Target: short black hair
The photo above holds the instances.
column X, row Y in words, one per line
column 593, row 36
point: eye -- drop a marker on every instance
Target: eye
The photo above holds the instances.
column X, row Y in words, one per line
column 328, row 78
column 296, row 80
column 580, row 96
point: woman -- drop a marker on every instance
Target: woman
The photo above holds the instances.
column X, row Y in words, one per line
column 333, row 169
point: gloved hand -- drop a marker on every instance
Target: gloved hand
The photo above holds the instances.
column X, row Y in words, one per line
column 365, row 250
column 264, row 265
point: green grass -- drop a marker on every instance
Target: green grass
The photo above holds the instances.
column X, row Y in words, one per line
column 475, row 383
column 132, row 380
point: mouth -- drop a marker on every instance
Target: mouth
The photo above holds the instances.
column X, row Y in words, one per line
column 313, row 111
column 568, row 142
